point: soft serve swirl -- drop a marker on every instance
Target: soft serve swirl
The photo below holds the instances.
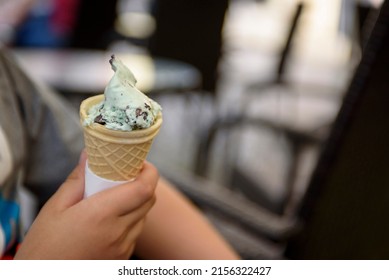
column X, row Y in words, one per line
column 124, row 107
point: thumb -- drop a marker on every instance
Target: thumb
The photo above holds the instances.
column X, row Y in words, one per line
column 72, row 190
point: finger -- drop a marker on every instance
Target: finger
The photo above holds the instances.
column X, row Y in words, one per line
column 139, row 213
column 72, row 190
column 125, row 198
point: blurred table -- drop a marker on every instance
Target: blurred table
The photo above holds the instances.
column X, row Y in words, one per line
column 88, row 71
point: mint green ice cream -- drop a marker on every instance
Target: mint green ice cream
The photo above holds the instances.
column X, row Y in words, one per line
column 124, row 106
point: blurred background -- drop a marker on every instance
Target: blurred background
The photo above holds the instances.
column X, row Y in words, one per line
column 249, row 89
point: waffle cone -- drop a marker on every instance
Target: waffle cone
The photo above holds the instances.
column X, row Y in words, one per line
column 112, row 154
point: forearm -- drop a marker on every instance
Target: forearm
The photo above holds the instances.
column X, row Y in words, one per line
column 175, row 229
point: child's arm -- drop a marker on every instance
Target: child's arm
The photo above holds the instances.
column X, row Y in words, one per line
column 176, row 229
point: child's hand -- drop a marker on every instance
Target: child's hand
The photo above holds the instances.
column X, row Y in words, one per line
column 103, row 226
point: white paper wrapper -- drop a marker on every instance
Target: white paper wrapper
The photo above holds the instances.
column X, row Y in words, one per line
column 95, row 184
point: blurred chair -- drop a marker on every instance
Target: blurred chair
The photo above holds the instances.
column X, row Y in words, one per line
column 297, row 137
column 300, row 135
column 342, row 214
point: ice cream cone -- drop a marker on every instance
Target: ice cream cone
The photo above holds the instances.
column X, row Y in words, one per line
column 112, row 154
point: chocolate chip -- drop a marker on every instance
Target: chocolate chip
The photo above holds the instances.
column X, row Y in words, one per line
column 99, row 119
column 112, row 59
column 145, row 114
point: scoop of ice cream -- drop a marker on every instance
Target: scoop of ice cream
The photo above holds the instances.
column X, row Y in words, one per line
column 124, row 107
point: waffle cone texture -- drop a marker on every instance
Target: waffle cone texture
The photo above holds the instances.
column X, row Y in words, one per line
column 112, row 154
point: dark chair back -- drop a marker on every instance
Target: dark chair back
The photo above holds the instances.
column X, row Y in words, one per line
column 346, row 206
column 190, row 31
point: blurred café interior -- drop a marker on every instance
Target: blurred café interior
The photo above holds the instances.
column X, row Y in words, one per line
column 266, row 106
